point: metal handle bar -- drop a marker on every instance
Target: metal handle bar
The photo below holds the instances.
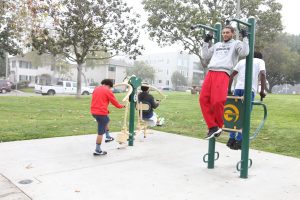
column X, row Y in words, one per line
column 262, row 122
column 129, row 90
column 203, row 26
column 240, row 22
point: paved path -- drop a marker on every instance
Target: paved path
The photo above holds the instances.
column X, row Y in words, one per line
column 19, row 93
column 161, row 167
column 8, row 191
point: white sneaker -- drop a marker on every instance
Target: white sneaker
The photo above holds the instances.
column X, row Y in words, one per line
column 160, row 121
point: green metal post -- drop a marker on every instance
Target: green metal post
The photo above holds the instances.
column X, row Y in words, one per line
column 211, row 153
column 135, row 83
column 248, row 101
column 212, row 141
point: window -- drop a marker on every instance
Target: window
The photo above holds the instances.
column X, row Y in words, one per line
column 111, row 68
column 24, row 64
column 31, row 78
column 196, row 66
column 60, row 83
column 159, row 81
column 167, row 82
column 13, row 64
column 68, row 84
column 22, row 77
column 20, row 64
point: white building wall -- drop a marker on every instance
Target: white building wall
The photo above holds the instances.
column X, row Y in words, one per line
column 93, row 75
column 120, row 74
column 165, row 64
column 96, row 74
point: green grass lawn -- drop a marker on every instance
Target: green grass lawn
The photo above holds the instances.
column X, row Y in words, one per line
column 28, row 90
column 40, row 117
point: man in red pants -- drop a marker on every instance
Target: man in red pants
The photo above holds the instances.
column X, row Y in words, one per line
column 223, row 57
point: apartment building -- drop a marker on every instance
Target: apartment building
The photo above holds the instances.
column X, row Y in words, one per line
column 114, row 69
column 165, row 64
column 22, row 69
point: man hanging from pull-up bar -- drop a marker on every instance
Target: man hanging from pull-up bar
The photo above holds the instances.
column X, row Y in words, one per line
column 223, row 57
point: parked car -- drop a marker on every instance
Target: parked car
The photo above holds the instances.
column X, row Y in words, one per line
column 5, row 86
column 62, row 87
column 115, row 90
column 167, row 89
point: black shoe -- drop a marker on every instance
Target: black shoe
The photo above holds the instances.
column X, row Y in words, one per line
column 213, row 132
column 109, row 139
column 230, row 142
column 237, row 145
column 100, row 153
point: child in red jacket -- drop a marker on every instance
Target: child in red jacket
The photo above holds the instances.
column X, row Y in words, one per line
column 102, row 96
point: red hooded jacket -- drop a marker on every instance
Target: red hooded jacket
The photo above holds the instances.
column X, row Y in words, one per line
column 102, row 95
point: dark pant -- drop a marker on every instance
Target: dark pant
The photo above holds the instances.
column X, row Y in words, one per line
column 102, row 121
column 239, row 92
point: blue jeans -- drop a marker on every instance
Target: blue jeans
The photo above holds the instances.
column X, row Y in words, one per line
column 239, row 137
column 102, row 121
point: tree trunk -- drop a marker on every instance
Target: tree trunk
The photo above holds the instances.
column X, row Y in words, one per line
column 79, row 72
column 269, row 90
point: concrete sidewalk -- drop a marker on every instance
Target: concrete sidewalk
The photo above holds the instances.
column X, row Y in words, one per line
column 161, row 167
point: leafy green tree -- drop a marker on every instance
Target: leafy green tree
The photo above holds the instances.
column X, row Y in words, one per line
column 282, row 64
column 178, row 79
column 292, row 41
column 58, row 63
column 142, row 70
column 169, row 21
column 7, row 35
column 2, row 66
column 8, row 29
column 79, row 28
column 17, row 17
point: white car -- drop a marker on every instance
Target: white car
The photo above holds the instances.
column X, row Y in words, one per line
column 62, row 87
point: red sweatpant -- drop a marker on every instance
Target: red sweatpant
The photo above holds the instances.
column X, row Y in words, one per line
column 213, row 97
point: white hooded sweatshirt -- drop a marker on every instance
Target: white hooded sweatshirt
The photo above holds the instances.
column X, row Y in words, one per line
column 224, row 55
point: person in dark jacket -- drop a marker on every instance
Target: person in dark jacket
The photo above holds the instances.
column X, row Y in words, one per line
column 147, row 98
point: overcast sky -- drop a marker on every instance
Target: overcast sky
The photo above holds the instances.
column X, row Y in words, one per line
column 290, row 15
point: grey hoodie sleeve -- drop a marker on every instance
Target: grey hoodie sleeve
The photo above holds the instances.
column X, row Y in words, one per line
column 207, row 52
column 242, row 48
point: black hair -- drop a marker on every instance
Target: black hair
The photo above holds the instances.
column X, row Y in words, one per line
column 144, row 88
column 229, row 27
column 107, row 82
column 257, row 54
